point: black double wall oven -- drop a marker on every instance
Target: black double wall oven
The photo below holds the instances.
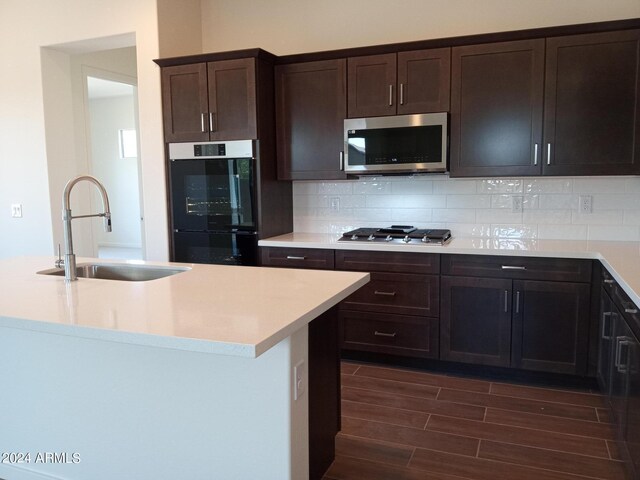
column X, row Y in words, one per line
column 213, row 202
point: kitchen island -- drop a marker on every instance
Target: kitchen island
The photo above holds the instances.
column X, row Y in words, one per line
column 187, row 376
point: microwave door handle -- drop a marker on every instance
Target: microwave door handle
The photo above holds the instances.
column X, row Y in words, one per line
column 341, row 161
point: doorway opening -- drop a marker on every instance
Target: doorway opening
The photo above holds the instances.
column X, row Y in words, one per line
column 112, row 148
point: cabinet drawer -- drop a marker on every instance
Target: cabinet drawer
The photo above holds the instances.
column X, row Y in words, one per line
column 525, row 268
column 395, row 262
column 297, row 258
column 399, row 293
column 628, row 308
column 608, row 283
column 393, row 334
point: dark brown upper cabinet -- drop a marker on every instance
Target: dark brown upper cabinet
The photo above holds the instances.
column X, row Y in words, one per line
column 568, row 108
column 402, row 83
column 185, row 103
column 496, row 109
column 311, row 105
column 592, row 110
column 209, row 101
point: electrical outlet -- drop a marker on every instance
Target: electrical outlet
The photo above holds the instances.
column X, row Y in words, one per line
column 335, row 204
column 16, row 210
column 299, row 379
column 516, row 203
column 585, row 203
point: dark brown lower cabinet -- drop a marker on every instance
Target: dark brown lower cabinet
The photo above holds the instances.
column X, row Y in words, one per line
column 531, row 325
column 475, row 320
column 405, row 335
column 550, row 326
column 619, row 369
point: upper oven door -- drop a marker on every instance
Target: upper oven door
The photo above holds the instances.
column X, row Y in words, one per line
column 404, row 143
column 211, row 193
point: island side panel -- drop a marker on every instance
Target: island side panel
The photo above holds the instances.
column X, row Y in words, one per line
column 144, row 412
column 324, row 392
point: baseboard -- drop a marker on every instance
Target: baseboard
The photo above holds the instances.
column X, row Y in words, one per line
column 118, row 245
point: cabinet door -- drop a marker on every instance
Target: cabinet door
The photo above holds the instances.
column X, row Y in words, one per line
column 371, row 84
column 311, row 105
column 550, row 326
column 424, row 81
column 605, row 343
column 633, row 406
column 622, row 337
column 184, row 103
column 475, row 320
column 232, row 99
column 496, row 109
column 591, row 106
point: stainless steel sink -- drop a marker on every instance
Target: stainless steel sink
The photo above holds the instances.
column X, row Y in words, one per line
column 127, row 273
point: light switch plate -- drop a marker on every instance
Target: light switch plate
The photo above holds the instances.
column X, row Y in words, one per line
column 299, row 379
column 16, row 210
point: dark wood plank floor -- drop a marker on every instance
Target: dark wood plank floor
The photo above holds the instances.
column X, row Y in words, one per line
column 406, row 425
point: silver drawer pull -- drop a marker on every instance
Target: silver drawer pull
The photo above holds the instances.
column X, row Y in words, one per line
column 608, row 280
column 382, row 334
column 513, row 267
column 630, row 310
column 292, row 257
column 385, row 294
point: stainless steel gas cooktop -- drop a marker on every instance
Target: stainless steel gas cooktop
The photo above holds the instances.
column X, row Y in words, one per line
column 398, row 234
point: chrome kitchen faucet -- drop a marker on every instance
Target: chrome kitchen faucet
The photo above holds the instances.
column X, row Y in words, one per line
column 69, row 262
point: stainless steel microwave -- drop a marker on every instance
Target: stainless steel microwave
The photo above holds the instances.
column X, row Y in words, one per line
column 396, row 144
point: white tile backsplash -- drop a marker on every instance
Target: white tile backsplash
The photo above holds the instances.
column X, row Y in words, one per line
column 475, row 208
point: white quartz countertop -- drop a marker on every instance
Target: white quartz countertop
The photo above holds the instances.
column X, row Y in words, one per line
column 622, row 259
column 228, row 310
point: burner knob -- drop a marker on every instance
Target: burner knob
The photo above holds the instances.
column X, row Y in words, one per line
column 388, row 238
column 371, row 238
column 354, row 237
column 425, row 239
column 406, row 239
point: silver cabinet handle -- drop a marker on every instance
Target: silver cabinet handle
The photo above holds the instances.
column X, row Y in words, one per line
column 621, row 342
column 513, row 267
column 535, row 154
column 341, row 161
column 548, row 154
column 390, row 95
column 608, row 280
column 385, row 294
column 631, row 310
column 518, row 301
column 605, row 316
column 211, row 121
column 382, row 334
column 202, row 127
column 402, row 94
column 506, row 301
column 292, row 257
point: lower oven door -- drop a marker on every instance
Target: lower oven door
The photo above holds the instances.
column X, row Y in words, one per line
column 230, row 248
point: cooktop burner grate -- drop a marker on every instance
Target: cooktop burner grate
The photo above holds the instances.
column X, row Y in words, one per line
column 398, row 234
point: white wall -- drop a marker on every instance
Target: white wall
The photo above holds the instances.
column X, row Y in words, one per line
column 118, row 175
column 295, row 26
column 26, row 27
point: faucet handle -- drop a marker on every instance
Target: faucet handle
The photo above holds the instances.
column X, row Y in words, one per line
column 60, row 262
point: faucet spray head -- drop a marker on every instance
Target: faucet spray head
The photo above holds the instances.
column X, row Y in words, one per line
column 107, row 222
